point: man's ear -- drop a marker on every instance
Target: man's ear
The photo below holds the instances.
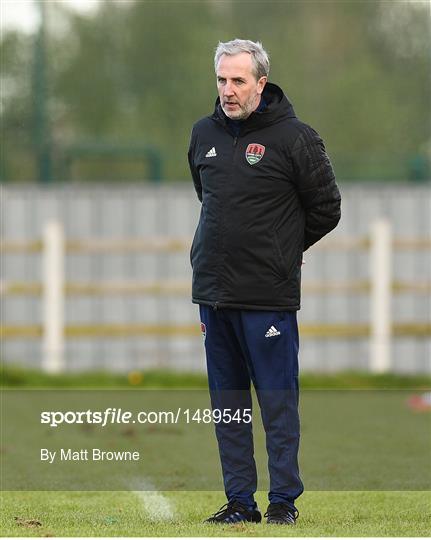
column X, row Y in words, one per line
column 261, row 84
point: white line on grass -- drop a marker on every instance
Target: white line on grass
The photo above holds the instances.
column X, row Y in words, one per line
column 155, row 505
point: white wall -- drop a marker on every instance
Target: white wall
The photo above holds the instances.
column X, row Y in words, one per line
column 136, row 211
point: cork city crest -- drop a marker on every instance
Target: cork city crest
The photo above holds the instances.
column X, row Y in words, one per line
column 254, row 153
column 203, row 330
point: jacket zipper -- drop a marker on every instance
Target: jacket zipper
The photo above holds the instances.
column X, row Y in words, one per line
column 235, row 140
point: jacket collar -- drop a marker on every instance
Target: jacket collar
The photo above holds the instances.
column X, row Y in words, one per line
column 278, row 108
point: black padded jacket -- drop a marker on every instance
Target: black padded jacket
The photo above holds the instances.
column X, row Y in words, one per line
column 267, row 195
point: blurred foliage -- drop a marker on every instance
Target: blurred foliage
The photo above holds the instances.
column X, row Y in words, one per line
column 142, row 72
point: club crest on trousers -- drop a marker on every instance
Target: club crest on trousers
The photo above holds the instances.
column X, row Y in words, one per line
column 203, row 330
column 254, row 153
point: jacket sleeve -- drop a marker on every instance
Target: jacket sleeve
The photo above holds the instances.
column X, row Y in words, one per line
column 195, row 174
column 317, row 189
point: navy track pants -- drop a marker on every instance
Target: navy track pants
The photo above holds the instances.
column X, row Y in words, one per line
column 259, row 346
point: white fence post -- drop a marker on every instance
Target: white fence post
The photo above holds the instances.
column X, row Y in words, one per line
column 381, row 292
column 53, row 297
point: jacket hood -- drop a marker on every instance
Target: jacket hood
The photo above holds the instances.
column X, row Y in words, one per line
column 278, row 108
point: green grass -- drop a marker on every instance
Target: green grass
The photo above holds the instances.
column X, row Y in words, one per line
column 125, row 514
column 323, row 513
column 350, row 440
column 15, row 376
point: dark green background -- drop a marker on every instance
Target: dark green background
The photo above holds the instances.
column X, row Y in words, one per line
column 140, row 73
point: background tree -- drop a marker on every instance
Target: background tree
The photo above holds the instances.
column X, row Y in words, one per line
column 141, row 72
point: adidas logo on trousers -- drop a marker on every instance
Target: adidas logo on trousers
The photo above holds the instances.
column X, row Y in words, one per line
column 272, row 332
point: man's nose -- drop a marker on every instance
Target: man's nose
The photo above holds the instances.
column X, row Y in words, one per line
column 228, row 89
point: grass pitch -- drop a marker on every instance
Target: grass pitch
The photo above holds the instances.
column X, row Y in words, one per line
column 129, row 514
column 181, row 513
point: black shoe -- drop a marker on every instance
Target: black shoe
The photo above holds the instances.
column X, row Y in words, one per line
column 281, row 514
column 235, row 512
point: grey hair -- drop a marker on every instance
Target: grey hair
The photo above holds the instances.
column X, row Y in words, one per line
column 259, row 56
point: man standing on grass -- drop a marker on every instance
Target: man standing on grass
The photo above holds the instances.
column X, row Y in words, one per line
column 268, row 193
